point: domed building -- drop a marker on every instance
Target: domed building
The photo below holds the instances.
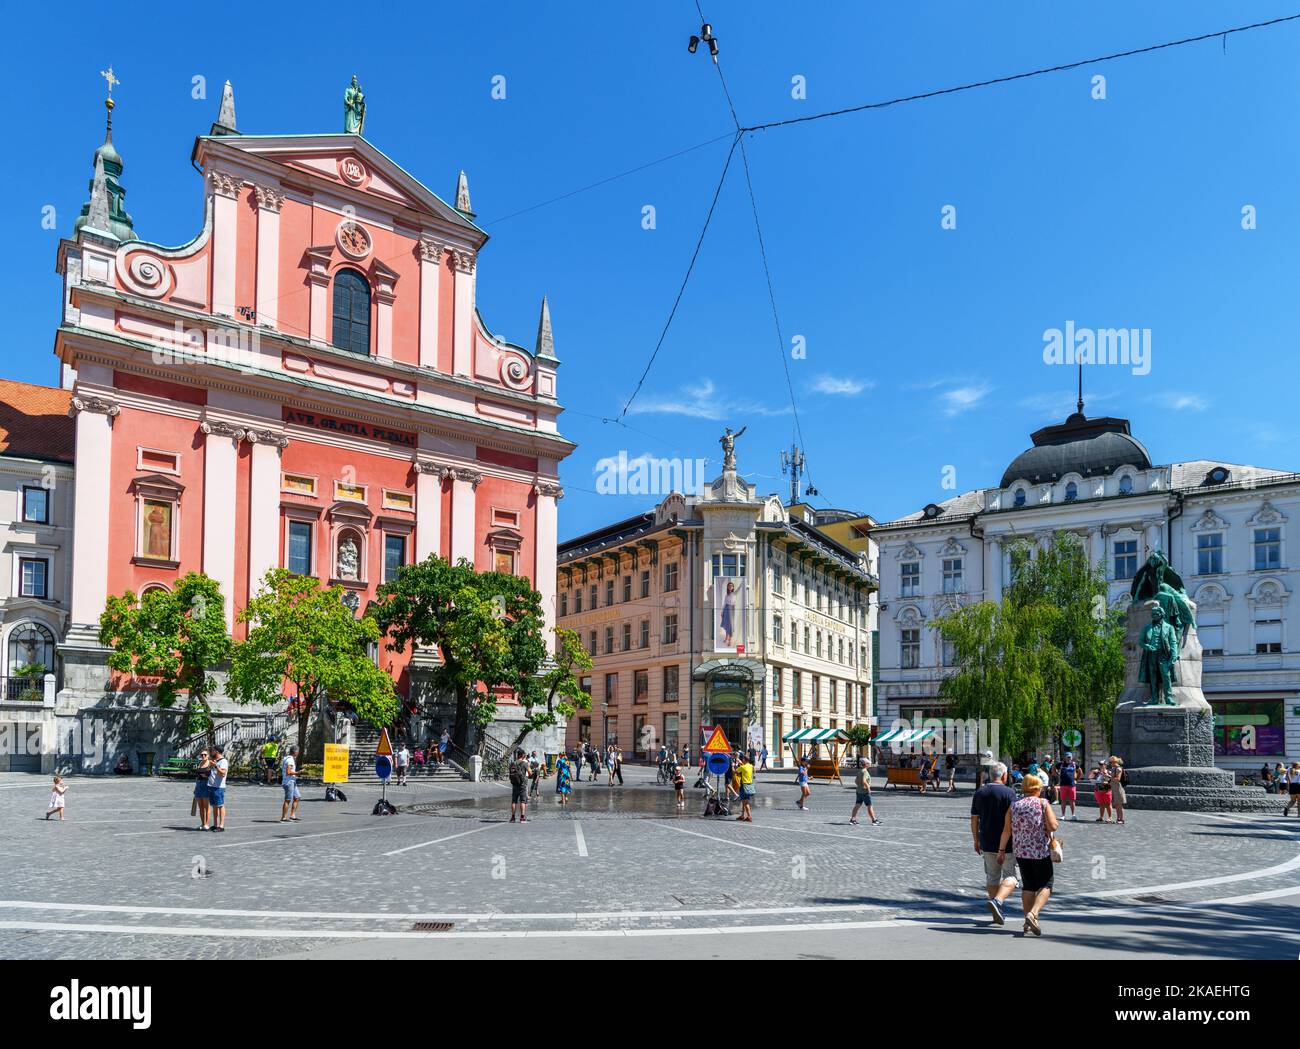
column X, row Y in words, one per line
column 1228, row 529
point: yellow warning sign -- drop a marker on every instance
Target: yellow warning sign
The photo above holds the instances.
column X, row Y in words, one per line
column 717, row 743
column 336, row 763
column 385, row 748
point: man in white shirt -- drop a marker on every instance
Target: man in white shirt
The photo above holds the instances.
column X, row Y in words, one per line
column 217, row 788
column 403, row 765
column 289, row 777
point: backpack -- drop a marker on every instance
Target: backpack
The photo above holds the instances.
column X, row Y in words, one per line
column 516, row 774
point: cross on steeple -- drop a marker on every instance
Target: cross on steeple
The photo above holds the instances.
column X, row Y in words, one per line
column 107, row 74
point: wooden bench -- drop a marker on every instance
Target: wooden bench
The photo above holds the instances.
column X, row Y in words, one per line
column 178, row 767
column 895, row 777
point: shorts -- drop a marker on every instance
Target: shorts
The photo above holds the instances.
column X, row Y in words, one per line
column 201, row 790
column 864, row 799
column 270, row 763
column 291, row 788
column 996, row 873
column 217, row 795
column 1036, row 874
column 518, row 793
column 747, row 792
column 1102, row 796
column 1067, row 793
column 1293, row 789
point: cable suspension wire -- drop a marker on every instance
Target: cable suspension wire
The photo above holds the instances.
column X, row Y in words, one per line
column 699, row 243
column 1224, row 33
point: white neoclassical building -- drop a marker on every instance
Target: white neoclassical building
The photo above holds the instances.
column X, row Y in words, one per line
column 1231, row 531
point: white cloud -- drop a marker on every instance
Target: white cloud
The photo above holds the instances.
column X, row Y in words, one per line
column 835, row 385
column 1182, row 402
column 702, row 401
column 963, row 398
column 1059, row 405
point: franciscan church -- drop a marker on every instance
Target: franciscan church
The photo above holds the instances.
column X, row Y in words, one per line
column 1230, row 531
column 307, row 383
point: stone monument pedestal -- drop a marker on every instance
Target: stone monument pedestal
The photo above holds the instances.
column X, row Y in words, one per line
column 1168, row 751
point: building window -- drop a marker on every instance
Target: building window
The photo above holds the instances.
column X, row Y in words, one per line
column 627, row 588
column 1071, row 492
column 949, row 650
column 591, row 645
column 670, row 629
column 611, row 687
column 952, row 575
column 395, row 556
column 1019, row 498
column 299, row 558
column 777, row 636
column 564, row 604
column 796, row 688
column 1268, row 549
column 1209, row 554
column 807, row 639
column 776, row 685
column 30, row 645
column 729, row 564
column 776, row 579
column 1126, row 485
column 503, row 561
column 351, row 312
column 819, row 644
column 641, row 687
column 36, row 504
column 670, row 576
column 395, row 500
column 645, row 584
column 627, row 637
column 816, row 692
column 670, row 684
column 609, row 640
column 577, row 600
column 910, row 655
column 1268, row 636
column 505, row 518
column 910, row 579
column 645, row 633
column 835, row 696
column 1209, row 628
column 593, row 597
column 33, row 577
column 158, row 529
column 1126, row 558
column 670, row 731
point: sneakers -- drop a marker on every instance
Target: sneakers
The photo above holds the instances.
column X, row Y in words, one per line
column 877, row 823
column 995, row 907
column 854, row 822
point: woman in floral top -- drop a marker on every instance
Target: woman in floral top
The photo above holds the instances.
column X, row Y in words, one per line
column 1030, row 825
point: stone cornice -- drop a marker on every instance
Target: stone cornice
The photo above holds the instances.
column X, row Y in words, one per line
column 548, row 489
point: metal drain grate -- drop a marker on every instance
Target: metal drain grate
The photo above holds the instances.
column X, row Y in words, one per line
column 1152, row 899
column 720, row 900
column 431, row 927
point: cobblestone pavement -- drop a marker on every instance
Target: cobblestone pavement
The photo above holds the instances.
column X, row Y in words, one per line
column 620, row 873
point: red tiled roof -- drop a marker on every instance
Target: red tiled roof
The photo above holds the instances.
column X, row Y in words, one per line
column 34, row 422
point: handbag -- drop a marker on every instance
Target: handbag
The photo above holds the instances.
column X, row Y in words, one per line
column 1054, row 847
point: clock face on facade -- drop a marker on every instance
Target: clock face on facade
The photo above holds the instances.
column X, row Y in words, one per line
column 354, row 240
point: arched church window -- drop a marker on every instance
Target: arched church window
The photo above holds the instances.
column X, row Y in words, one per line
column 1071, row 492
column 351, row 312
column 30, row 645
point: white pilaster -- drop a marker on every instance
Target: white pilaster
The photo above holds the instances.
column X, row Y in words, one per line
column 318, row 277
column 463, row 322
column 544, row 556
column 463, row 485
column 430, row 285
column 269, row 200
column 995, row 571
column 428, row 508
column 225, row 211
column 264, row 507
column 91, row 486
column 384, row 279
column 220, row 458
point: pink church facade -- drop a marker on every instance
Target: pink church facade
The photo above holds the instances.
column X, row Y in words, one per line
column 305, row 384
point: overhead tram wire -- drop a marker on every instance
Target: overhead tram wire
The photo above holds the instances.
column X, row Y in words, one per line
column 685, row 279
column 1221, row 33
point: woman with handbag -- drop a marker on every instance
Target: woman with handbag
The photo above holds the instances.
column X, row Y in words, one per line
column 1029, row 828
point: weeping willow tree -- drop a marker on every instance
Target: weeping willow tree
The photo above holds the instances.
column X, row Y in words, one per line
column 1048, row 656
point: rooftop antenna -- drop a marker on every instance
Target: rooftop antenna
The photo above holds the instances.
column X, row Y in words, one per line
column 794, row 463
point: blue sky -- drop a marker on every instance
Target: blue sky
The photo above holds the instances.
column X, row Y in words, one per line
column 924, row 345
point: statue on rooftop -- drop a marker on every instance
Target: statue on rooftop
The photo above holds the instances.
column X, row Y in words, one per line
column 354, row 109
column 728, row 442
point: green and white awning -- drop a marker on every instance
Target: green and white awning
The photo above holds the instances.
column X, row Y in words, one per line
column 814, row 735
column 899, row 736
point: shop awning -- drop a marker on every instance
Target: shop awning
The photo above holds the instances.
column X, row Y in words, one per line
column 900, row 736
column 813, row 735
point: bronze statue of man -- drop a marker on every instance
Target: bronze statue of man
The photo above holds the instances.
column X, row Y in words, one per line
column 1159, row 666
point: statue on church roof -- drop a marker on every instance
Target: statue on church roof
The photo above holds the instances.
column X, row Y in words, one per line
column 728, row 442
column 354, row 109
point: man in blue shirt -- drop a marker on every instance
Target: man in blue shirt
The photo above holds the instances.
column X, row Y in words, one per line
column 1069, row 771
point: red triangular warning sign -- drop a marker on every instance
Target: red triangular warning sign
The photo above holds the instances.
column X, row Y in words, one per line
column 717, row 743
column 385, row 747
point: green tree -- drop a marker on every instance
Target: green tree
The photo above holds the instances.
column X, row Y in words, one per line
column 557, row 692
column 486, row 628
column 174, row 635
column 302, row 633
column 1049, row 655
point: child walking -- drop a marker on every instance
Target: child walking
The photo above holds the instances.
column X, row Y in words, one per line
column 56, row 798
column 801, row 778
column 679, row 785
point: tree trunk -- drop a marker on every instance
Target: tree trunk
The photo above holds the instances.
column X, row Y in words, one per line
column 304, row 716
column 460, row 732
